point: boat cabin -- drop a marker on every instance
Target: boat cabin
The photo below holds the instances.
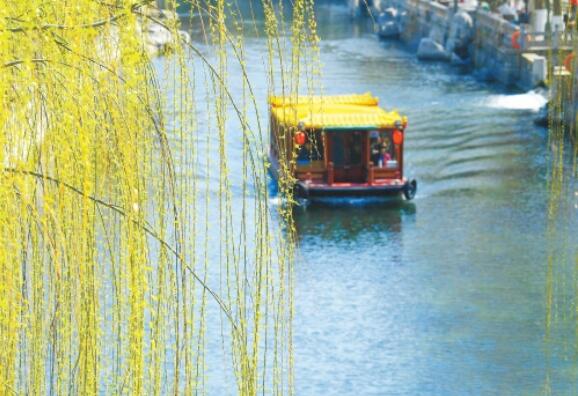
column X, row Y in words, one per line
column 338, row 146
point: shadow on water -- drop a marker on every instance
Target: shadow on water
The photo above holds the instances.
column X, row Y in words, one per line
column 346, row 220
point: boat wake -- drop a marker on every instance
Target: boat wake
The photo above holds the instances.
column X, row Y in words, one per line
column 532, row 101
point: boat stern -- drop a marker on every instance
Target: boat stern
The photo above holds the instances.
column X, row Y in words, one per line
column 388, row 187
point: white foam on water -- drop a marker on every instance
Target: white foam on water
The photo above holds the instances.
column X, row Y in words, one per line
column 275, row 201
column 531, row 100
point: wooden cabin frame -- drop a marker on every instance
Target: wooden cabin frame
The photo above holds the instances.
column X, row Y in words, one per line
column 325, row 173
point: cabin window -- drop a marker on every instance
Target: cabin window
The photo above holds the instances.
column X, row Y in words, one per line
column 382, row 150
column 312, row 150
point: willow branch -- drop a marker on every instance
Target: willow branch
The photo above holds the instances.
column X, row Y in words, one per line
column 145, row 227
column 222, row 83
column 18, row 62
column 92, row 25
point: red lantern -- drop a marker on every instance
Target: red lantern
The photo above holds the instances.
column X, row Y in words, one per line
column 397, row 137
column 300, row 138
column 568, row 60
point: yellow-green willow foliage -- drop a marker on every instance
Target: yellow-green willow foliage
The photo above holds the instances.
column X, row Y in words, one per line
column 117, row 250
column 561, row 291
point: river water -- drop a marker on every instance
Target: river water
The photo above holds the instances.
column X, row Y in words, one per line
column 445, row 295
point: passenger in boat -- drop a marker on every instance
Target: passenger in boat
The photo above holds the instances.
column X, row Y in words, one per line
column 376, row 151
column 311, row 151
column 304, row 155
column 385, row 156
column 385, row 152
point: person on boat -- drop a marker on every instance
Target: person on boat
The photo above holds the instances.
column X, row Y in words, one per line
column 376, row 151
column 384, row 152
column 310, row 151
column 385, row 156
column 304, row 154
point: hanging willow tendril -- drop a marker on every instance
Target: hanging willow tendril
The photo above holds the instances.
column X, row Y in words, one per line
column 128, row 251
column 561, row 289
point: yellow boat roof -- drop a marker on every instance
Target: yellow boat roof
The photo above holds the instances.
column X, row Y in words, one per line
column 366, row 99
column 333, row 112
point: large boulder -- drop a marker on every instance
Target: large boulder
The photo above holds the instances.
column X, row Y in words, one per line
column 456, row 60
column 389, row 29
column 388, row 24
column 461, row 34
column 430, row 49
column 438, row 33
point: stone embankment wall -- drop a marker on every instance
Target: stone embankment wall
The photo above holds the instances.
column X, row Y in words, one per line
column 423, row 19
column 477, row 38
column 493, row 54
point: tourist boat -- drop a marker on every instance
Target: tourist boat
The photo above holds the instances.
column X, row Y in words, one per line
column 338, row 146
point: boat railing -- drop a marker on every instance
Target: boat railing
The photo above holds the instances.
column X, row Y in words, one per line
column 543, row 41
column 370, row 173
column 330, row 173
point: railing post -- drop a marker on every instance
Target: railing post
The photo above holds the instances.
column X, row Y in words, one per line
column 370, row 175
column 330, row 175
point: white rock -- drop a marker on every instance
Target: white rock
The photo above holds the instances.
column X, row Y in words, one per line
column 158, row 35
column 429, row 49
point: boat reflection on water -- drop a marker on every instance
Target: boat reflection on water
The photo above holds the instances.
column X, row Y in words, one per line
column 326, row 219
column 352, row 274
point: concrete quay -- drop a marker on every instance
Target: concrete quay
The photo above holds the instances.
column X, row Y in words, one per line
column 492, row 47
column 495, row 48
